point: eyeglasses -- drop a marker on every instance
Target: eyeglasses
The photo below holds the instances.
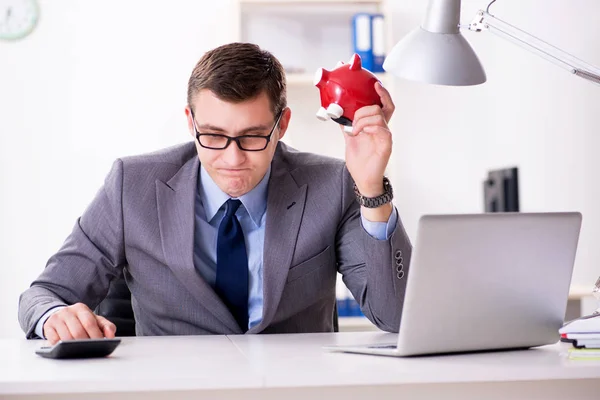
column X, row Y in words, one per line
column 215, row 141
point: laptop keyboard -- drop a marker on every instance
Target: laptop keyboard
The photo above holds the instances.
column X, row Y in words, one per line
column 384, row 346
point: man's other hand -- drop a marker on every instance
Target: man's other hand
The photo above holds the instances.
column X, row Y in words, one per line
column 77, row 322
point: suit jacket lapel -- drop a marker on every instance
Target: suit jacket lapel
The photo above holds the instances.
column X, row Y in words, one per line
column 285, row 207
column 175, row 202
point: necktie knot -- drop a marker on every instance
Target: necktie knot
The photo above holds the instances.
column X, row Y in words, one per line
column 231, row 207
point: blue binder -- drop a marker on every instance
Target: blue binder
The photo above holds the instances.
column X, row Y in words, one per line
column 362, row 39
column 377, row 42
column 349, row 307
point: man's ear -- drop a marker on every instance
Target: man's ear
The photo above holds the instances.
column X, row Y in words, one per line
column 284, row 121
column 190, row 121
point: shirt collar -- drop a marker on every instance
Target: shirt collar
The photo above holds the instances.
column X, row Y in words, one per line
column 213, row 198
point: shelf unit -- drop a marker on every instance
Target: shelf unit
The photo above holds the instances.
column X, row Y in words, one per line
column 318, row 2
column 306, row 35
column 285, row 15
column 296, row 79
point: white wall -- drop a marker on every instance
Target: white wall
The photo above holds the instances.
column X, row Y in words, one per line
column 530, row 113
column 99, row 80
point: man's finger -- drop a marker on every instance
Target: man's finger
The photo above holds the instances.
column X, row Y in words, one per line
column 372, row 120
column 108, row 328
column 386, row 100
column 61, row 329
column 90, row 324
column 51, row 335
column 74, row 325
column 379, row 131
column 367, row 111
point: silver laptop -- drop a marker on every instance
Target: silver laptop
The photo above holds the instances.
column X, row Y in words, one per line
column 485, row 282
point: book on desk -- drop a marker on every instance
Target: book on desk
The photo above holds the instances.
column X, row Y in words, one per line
column 584, row 334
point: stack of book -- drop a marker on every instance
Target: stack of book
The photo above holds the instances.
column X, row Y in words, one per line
column 584, row 334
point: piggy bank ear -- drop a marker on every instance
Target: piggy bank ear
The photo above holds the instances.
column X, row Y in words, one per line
column 320, row 77
column 355, row 63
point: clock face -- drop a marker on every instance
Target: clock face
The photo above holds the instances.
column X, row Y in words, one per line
column 18, row 18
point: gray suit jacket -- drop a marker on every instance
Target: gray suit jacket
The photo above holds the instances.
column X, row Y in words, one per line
column 142, row 221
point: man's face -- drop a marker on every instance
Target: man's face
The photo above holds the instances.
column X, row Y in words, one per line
column 235, row 171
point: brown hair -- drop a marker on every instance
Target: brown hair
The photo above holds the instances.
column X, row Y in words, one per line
column 237, row 72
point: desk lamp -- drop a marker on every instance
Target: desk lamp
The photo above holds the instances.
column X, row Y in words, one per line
column 437, row 53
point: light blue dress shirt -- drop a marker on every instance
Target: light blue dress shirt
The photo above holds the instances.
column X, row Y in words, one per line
column 210, row 209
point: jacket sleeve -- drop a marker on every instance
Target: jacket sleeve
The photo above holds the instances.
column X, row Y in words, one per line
column 89, row 259
column 374, row 270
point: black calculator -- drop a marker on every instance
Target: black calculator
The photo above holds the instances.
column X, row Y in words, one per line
column 79, row 348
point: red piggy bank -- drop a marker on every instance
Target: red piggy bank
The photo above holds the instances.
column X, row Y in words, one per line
column 344, row 90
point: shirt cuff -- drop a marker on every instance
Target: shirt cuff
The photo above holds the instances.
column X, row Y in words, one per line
column 381, row 230
column 39, row 327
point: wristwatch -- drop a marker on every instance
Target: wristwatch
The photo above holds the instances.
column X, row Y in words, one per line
column 374, row 202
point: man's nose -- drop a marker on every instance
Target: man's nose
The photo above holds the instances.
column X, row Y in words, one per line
column 233, row 155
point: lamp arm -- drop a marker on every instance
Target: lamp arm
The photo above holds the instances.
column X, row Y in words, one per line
column 485, row 21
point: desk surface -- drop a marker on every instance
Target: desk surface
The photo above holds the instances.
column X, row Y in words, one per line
column 272, row 366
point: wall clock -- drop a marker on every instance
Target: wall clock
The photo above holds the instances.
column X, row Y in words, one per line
column 18, row 18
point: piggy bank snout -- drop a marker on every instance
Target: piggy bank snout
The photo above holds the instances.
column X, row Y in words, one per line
column 321, row 76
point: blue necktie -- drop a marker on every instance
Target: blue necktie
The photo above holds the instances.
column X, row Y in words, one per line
column 232, row 265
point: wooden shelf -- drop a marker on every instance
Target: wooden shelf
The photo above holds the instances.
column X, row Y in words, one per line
column 296, row 2
column 580, row 291
column 355, row 324
column 297, row 79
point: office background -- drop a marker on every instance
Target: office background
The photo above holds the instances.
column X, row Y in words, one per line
column 100, row 80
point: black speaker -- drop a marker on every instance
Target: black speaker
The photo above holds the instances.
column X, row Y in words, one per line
column 501, row 190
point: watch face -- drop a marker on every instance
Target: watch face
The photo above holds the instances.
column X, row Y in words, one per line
column 18, row 18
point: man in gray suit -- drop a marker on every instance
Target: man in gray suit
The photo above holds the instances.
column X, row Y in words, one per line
column 236, row 232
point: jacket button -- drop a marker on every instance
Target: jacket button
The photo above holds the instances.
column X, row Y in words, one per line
column 398, row 254
column 399, row 267
column 400, row 274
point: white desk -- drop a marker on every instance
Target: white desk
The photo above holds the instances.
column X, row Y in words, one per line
column 290, row 367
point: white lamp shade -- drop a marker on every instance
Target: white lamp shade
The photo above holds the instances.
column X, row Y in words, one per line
column 438, row 58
